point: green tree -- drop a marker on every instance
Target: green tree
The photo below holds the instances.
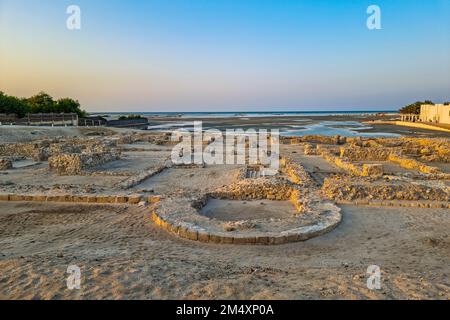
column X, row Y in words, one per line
column 414, row 108
column 13, row 105
column 41, row 103
column 69, row 105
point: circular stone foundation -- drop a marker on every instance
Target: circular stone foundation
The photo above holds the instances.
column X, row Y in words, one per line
column 245, row 222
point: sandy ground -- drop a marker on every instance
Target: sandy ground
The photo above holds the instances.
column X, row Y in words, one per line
column 16, row 134
column 122, row 255
column 190, row 180
column 232, row 210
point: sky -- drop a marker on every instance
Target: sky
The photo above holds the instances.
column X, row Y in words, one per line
column 227, row 55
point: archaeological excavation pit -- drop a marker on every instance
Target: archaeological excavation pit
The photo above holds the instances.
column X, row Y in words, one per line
column 236, row 210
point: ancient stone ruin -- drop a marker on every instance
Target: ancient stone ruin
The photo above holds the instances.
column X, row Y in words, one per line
column 75, row 163
column 316, row 174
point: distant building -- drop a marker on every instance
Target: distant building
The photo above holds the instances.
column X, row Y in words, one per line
column 134, row 123
column 97, row 121
column 435, row 113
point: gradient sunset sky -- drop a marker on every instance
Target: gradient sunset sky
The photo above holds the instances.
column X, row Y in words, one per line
column 227, row 55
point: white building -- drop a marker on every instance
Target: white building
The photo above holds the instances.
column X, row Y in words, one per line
column 435, row 113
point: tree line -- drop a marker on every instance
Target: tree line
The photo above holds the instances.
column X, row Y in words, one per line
column 40, row 103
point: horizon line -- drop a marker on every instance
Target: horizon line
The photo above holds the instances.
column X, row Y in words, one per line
column 244, row 111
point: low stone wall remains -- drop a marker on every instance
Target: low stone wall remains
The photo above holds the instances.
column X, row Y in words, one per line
column 75, row 163
column 355, row 153
column 365, row 170
column 37, row 151
column 69, row 198
column 137, row 179
column 412, row 164
column 296, row 172
column 255, row 189
column 398, row 203
column 309, row 149
column 260, row 189
column 344, row 188
column 335, row 140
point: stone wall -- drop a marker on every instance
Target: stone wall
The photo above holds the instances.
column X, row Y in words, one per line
column 75, row 163
column 155, row 138
column 43, row 149
column 65, row 156
column 342, row 188
column 255, row 189
column 365, row 170
column 412, row 164
column 299, row 201
column 259, row 189
column 144, row 175
column 295, row 172
column 36, row 151
column 89, row 199
column 401, row 151
column 356, row 153
column 433, row 149
column 309, row 149
column 67, row 147
column 336, row 140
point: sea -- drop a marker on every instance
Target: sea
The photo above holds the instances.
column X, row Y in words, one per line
column 245, row 114
column 326, row 127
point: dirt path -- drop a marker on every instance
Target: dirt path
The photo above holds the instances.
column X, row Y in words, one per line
column 122, row 255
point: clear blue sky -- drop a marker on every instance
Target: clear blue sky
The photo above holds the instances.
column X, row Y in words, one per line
column 223, row 55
